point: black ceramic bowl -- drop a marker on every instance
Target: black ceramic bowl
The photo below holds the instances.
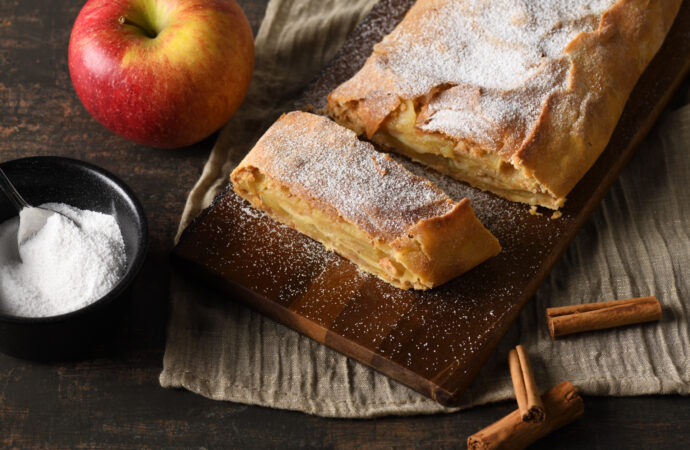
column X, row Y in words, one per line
column 63, row 180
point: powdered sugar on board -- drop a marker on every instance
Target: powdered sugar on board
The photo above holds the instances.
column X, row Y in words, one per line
column 323, row 161
column 237, row 243
column 496, row 62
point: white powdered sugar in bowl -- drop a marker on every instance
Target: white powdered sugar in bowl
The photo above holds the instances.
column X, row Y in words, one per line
column 65, row 266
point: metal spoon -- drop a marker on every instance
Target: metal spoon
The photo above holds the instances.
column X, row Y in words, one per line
column 31, row 218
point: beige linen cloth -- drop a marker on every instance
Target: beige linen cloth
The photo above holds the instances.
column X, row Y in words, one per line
column 635, row 244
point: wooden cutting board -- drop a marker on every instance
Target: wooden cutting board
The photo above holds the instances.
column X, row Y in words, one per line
column 434, row 341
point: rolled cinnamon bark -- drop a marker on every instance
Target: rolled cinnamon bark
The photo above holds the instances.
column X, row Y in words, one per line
column 597, row 316
column 562, row 405
column 526, row 393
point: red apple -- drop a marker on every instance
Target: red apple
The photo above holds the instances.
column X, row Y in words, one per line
column 164, row 73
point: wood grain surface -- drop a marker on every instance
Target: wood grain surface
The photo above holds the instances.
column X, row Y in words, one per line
column 433, row 341
column 115, row 400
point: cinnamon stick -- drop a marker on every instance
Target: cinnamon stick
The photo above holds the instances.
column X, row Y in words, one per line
column 528, row 399
column 597, row 316
column 562, row 405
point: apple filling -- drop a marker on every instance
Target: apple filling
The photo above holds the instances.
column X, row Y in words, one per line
column 371, row 255
column 463, row 160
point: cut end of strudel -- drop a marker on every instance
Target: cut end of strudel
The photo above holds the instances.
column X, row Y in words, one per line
column 517, row 98
column 317, row 177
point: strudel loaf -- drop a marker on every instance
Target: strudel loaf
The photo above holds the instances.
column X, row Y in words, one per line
column 316, row 176
column 515, row 97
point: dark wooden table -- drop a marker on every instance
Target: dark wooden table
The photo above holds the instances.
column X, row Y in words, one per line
column 116, row 401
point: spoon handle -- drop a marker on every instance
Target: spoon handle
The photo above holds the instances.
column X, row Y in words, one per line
column 8, row 188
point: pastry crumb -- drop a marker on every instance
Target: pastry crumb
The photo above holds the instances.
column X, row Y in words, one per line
column 533, row 211
column 379, row 169
column 556, row 215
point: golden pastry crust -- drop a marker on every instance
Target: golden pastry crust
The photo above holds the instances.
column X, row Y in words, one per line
column 528, row 128
column 319, row 178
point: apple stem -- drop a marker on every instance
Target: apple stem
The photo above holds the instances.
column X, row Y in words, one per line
column 125, row 21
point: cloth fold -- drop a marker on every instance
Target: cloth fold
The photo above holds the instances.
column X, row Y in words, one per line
column 635, row 244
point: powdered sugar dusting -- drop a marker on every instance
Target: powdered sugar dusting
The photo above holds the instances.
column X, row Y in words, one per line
column 495, row 62
column 327, row 163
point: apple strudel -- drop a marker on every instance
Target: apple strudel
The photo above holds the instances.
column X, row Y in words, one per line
column 516, row 97
column 316, row 176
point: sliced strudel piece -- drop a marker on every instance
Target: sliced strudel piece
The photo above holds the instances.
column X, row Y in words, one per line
column 316, row 176
column 516, row 97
